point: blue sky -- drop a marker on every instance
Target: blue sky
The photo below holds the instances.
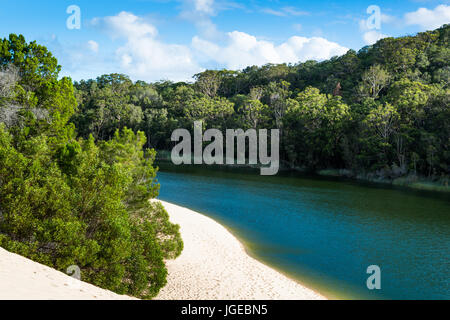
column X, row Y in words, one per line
column 163, row 39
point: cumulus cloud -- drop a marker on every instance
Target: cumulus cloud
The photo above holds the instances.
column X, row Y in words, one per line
column 145, row 57
column 242, row 50
column 429, row 19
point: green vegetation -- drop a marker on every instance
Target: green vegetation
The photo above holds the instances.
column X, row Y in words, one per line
column 71, row 201
column 380, row 113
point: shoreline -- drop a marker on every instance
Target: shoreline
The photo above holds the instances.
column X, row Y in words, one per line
column 407, row 182
column 215, row 265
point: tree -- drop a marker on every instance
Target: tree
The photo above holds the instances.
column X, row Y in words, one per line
column 320, row 121
column 158, row 127
column 254, row 112
column 213, row 112
column 374, row 81
column 277, row 94
column 35, row 63
column 411, row 98
column 208, row 82
column 384, row 120
column 109, row 106
column 381, row 124
column 9, row 76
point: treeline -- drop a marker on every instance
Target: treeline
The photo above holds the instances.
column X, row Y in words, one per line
column 67, row 201
column 381, row 112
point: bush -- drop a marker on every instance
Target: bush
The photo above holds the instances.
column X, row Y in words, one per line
column 88, row 209
column 67, row 201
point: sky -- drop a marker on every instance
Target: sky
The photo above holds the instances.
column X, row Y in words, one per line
column 155, row 40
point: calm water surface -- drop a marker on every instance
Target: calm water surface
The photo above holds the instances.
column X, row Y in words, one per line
column 325, row 233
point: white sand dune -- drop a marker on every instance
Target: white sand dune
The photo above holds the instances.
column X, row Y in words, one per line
column 23, row 279
column 214, row 265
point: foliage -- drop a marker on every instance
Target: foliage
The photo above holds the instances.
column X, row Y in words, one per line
column 71, row 201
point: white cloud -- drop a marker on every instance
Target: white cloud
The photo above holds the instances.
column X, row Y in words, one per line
column 145, row 57
column 142, row 55
column 371, row 37
column 429, row 19
column 244, row 50
column 125, row 24
column 149, row 59
column 204, row 6
column 93, row 46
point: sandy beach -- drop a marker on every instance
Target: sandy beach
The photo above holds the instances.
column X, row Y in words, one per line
column 215, row 265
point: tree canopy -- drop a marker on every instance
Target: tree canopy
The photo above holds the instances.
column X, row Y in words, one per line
column 330, row 113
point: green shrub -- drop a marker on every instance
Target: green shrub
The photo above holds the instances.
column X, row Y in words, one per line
column 67, row 201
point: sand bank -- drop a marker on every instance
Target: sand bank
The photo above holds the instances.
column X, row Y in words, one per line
column 215, row 265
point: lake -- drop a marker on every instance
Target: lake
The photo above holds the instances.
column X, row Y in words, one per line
column 326, row 232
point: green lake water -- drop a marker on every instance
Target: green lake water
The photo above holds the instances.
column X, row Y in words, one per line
column 325, row 232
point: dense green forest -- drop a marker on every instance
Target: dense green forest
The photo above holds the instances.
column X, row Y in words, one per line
column 68, row 201
column 381, row 112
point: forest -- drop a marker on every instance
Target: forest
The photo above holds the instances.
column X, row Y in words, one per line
column 77, row 158
column 379, row 113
